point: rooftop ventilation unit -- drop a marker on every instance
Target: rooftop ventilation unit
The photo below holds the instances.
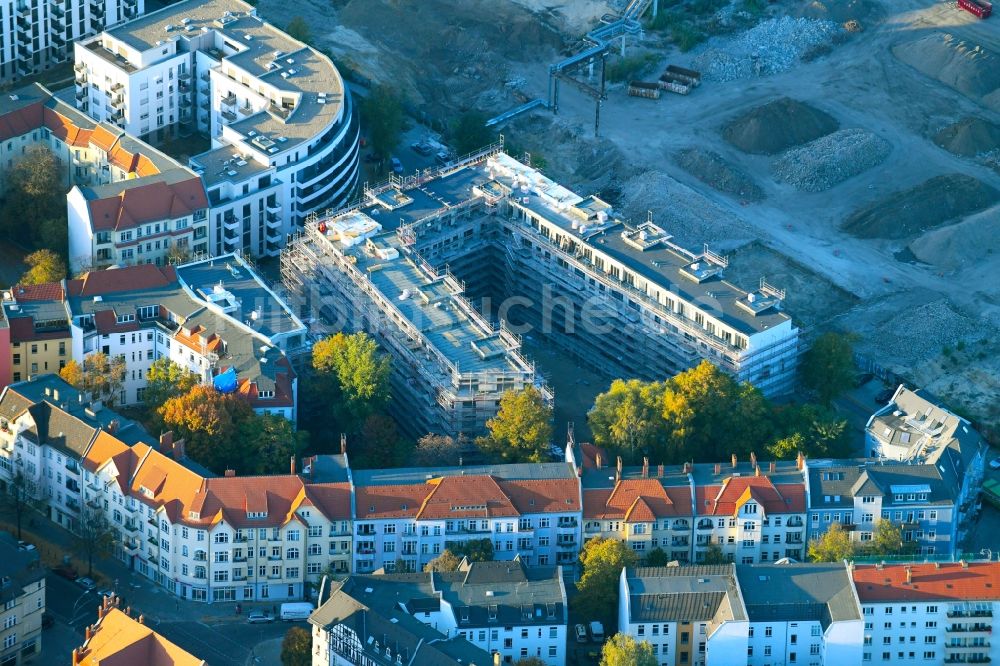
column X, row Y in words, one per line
column 185, row 21
column 169, row 27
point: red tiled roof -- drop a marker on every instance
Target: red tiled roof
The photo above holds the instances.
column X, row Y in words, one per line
column 944, row 581
column 637, row 500
column 403, row 501
column 231, row 498
column 465, row 497
column 47, row 291
column 333, row 500
column 544, row 495
column 147, row 203
column 21, row 121
column 726, row 499
column 128, row 278
column 22, row 329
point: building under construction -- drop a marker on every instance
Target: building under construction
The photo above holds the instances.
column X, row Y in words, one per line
column 622, row 298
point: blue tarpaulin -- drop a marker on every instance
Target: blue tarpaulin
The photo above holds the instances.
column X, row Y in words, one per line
column 225, row 382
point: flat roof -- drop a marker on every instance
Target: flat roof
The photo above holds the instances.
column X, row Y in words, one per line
column 225, row 164
column 300, row 70
column 822, row 592
column 509, row 472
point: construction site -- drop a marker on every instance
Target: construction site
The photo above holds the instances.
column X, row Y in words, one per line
column 847, row 152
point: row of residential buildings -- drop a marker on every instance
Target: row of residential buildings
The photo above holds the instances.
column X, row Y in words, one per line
column 691, row 615
column 233, row 538
column 215, row 318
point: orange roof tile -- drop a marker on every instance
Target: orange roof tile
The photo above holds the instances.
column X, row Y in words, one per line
column 47, row 291
column 403, row 501
column 231, row 498
column 128, row 278
column 21, row 121
column 121, row 641
column 104, row 448
column 169, row 484
column 148, row 203
column 637, row 500
column 726, row 499
column 333, row 500
column 943, row 581
column 544, row 495
column 465, row 497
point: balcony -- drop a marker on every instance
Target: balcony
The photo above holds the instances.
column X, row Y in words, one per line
column 566, row 543
column 681, row 525
column 795, row 521
column 205, row 76
column 152, row 541
column 241, row 577
column 970, row 613
column 230, row 223
column 55, row 35
column 184, row 76
column 273, row 221
column 117, row 101
column 229, row 100
column 130, row 526
column 960, row 659
column 966, row 629
column 130, row 546
column 228, row 116
column 247, row 110
column 567, row 523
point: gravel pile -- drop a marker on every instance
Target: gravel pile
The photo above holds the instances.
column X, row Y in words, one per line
column 832, row 159
column 921, row 332
column 770, row 47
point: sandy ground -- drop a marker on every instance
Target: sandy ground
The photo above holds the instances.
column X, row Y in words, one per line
column 447, row 57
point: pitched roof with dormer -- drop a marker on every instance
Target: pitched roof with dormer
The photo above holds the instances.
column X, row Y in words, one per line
column 636, row 500
column 728, row 498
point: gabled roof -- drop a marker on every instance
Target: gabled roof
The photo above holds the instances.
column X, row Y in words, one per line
column 121, row 641
column 637, row 500
column 333, row 500
column 726, row 500
column 149, row 202
column 465, row 497
column 232, row 498
column 402, row 501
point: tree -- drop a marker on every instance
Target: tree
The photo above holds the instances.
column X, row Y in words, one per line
column 298, row 29
column 94, row 537
column 446, row 561
column 98, row 375
column 208, row 422
column 833, row 545
column 522, row 429
column 887, row 540
column 166, row 380
column 265, row 444
column 789, row 447
column 45, row 266
column 714, row 555
column 623, row 650
column 657, row 558
column 476, row 550
column 361, row 371
column 602, row 561
column 296, row 648
column 438, row 451
column 627, row 418
column 827, row 367
column 383, row 114
column 36, row 201
column 178, row 254
column 17, row 500
column 470, row 132
column 382, row 445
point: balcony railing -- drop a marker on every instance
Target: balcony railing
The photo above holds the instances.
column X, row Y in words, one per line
column 228, row 116
column 229, row 100
column 970, row 613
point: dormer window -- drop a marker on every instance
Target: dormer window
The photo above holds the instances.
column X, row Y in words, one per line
column 126, row 318
column 493, row 612
column 465, row 615
column 194, row 515
column 256, row 515
column 264, row 395
column 146, row 492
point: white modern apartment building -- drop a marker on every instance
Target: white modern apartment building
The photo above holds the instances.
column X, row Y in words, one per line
column 924, row 614
column 36, row 35
column 282, row 123
column 406, row 517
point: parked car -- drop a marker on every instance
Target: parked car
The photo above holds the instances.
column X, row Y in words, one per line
column 397, row 166
column 371, row 158
column 66, row 571
column 105, row 593
column 581, row 633
column 422, row 148
column 995, row 463
column 597, row 632
column 86, row 583
column 862, row 379
column 24, row 545
column 260, row 617
column 442, row 157
column 47, row 620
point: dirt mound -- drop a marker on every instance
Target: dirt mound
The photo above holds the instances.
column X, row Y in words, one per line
column 969, row 137
column 777, row 126
column 711, row 169
column 832, row 159
column 927, row 206
column 864, row 12
column 960, row 245
column 965, row 66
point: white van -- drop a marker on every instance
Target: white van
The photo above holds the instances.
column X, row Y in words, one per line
column 296, row 611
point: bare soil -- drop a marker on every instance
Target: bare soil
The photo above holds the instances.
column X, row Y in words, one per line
column 710, row 168
column 969, row 137
column 776, row 126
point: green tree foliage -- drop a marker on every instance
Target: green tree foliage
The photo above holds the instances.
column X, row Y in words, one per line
column 99, row 375
column 271, row 441
column 522, row 429
column 602, row 561
column 381, row 444
column 628, row 418
column 44, row 266
column 360, row 372
column 382, row 112
column 446, row 561
column 714, row 555
column 298, row 29
column 623, row 650
column 296, row 647
column 657, row 558
column 166, row 380
column 887, row 540
column 827, row 368
column 833, row 545
column 815, row 431
column 477, row 550
column 34, row 211
column 470, row 132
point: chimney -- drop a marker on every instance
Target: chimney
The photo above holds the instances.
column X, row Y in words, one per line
column 659, row 471
column 937, row 565
column 113, row 426
column 230, row 473
column 773, row 466
column 292, row 466
column 618, row 465
column 76, row 656
column 496, row 659
column 55, row 395
column 734, row 461
column 753, row 459
column 343, row 443
column 850, row 565
column 142, row 619
column 645, row 467
column 909, row 574
column 756, row 470
column 598, row 460
column 800, row 461
column 965, row 565
column 687, row 468
column 87, row 633
column 718, row 468
column 100, row 609
column 167, row 441
column 879, row 566
column 179, row 449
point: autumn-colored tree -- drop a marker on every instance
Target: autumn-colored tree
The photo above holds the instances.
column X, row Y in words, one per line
column 98, row 375
column 446, row 561
column 296, row 647
column 44, row 266
column 887, row 540
column 165, row 380
column 623, row 650
column 522, row 429
column 627, row 419
column 833, row 545
column 602, row 561
column 361, row 372
column 437, row 451
column 208, row 421
column 827, row 367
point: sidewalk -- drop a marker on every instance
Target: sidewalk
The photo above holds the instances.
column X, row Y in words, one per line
column 138, row 592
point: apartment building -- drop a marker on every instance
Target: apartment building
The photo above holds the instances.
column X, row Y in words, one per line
column 624, row 300
column 916, row 427
column 760, row 614
column 117, row 638
column 283, row 126
column 46, row 428
column 22, row 595
column 34, row 36
column 366, row 620
column 38, row 339
column 404, row 518
column 751, row 514
column 923, row 613
column 858, row 493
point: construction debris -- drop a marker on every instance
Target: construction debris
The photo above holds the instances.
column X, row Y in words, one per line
column 832, row 159
column 710, row 168
column 770, row 47
column 776, row 126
